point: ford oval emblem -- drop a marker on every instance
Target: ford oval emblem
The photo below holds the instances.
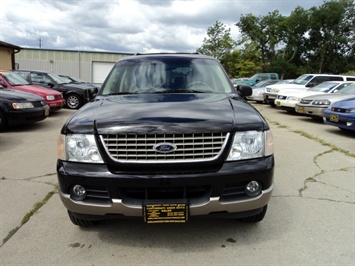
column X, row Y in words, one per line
column 165, row 147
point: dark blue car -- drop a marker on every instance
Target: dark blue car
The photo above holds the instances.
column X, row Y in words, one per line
column 341, row 114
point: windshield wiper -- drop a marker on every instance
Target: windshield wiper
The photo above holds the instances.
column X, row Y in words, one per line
column 180, row 91
column 119, row 93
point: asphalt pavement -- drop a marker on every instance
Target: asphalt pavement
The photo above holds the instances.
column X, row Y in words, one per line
column 310, row 219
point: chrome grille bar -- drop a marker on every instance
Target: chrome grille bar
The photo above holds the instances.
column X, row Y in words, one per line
column 190, row 147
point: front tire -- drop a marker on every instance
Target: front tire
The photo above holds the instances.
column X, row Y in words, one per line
column 3, row 122
column 73, row 101
column 255, row 218
column 80, row 222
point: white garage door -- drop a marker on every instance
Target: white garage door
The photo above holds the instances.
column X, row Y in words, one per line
column 100, row 71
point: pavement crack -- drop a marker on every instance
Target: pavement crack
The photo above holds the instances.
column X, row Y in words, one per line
column 28, row 216
column 313, row 179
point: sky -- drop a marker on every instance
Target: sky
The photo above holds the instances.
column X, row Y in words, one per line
column 127, row 26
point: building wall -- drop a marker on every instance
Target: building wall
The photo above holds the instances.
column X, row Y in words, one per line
column 5, row 58
column 74, row 63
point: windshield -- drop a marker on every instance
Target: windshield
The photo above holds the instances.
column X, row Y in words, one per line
column 302, row 80
column 57, row 78
column 348, row 90
column 324, row 87
column 166, row 75
column 14, row 79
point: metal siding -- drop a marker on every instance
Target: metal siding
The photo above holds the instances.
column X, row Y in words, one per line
column 67, row 62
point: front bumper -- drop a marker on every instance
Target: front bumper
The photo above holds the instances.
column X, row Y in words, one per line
column 56, row 104
column 26, row 116
column 269, row 98
column 310, row 110
column 207, row 193
column 285, row 104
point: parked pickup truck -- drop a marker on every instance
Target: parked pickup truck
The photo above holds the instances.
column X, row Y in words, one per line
column 257, row 78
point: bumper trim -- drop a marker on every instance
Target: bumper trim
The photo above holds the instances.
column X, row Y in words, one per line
column 212, row 206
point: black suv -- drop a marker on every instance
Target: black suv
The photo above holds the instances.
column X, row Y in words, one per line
column 167, row 138
column 76, row 95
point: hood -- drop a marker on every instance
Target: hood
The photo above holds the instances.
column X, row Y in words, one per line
column 82, row 86
column 14, row 95
column 157, row 113
column 276, row 88
column 36, row 89
column 329, row 96
column 345, row 104
column 300, row 94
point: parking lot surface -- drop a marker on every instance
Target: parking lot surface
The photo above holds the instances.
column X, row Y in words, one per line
column 310, row 219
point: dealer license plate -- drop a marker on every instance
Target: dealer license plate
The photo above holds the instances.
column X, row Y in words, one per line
column 334, row 118
column 300, row 109
column 156, row 212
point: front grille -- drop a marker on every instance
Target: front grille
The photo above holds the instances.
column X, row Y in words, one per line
column 281, row 97
column 38, row 104
column 141, row 148
column 305, row 101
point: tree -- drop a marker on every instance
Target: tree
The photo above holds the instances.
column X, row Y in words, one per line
column 331, row 36
column 219, row 41
column 265, row 32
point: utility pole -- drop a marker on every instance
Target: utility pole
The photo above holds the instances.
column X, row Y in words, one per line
column 40, row 43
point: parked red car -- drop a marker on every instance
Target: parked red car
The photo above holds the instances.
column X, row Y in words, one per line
column 14, row 81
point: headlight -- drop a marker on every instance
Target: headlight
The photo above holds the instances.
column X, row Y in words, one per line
column 50, row 98
column 251, row 144
column 22, row 105
column 78, row 148
column 321, row 102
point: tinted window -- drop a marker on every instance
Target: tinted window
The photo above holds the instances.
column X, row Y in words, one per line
column 162, row 74
column 318, row 80
column 336, row 78
column 350, row 78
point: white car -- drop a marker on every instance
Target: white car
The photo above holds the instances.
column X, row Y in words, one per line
column 288, row 99
column 302, row 83
column 258, row 90
column 315, row 105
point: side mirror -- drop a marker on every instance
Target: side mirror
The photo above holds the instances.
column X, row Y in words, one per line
column 244, row 90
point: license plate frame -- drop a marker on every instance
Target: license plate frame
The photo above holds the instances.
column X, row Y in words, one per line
column 166, row 211
column 334, row 118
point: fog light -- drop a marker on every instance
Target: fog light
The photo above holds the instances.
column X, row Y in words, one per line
column 78, row 192
column 253, row 188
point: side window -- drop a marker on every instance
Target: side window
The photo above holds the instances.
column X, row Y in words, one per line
column 39, row 79
column 273, row 76
column 264, row 77
column 336, row 78
column 350, row 78
column 317, row 80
